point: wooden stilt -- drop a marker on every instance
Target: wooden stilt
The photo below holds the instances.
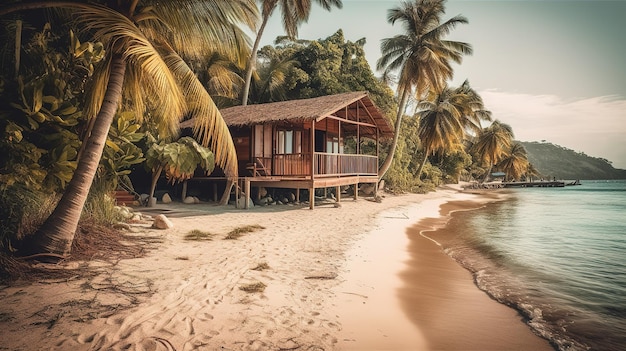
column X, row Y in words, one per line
column 311, row 198
column 338, row 193
column 237, row 193
column 356, row 191
column 247, row 192
column 298, row 195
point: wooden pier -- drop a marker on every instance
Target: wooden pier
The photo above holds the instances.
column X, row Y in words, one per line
column 540, row 184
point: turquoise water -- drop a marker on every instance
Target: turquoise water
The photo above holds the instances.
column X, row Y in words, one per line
column 558, row 255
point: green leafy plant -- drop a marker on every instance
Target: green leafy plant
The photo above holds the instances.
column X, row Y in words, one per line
column 179, row 160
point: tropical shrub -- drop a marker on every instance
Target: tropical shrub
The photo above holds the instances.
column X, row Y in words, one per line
column 40, row 111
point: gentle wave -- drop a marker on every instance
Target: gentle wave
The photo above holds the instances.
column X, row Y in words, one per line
column 555, row 255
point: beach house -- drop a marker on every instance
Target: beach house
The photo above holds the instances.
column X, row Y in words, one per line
column 322, row 142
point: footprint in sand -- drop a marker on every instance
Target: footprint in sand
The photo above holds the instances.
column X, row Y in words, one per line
column 85, row 339
column 205, row 317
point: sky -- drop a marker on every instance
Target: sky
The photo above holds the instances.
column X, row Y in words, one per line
column 554, row 70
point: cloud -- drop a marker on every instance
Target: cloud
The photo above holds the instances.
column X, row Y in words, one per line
column 595, row 126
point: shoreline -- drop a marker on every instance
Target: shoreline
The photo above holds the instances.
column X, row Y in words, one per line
column 188, row 294
column 450, row 299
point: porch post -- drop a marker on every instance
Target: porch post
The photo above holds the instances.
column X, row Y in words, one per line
column 358, row 133
column 311, row 197
column 247, row 192
column 338, row 193
column 356, row 191
column 312, row 187
column 338, row 146
column 236, row 183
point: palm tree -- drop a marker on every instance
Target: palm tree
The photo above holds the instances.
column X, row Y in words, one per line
column 492, row 143
column 271, row 84
column 445, row 118
column 515, row 162
column 421, row 55
column 223, row 79
column 531, row 172
column 294, row 13
column 145, row 43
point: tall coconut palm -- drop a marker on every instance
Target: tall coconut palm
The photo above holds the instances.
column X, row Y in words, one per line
column 421, row 54
column 294, row 13
column 271, row 84
column 531, row 172
column 145, row 44
column 492, row 143
column 515, row 162
column 445, row 117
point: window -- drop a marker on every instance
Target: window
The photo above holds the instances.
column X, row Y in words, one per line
column 262, row 141
column 332, row 145
column 289, row 142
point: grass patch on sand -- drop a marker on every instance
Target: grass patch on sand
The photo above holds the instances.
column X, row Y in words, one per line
column 240, row 231
column 261, row 266
column 253, row 287
column 198, row 235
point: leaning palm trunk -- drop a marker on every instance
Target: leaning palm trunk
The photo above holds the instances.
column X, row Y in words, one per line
column 486, row 177
column 252, row 64
column 55, row 236
column 419, row 170
column 385, row 166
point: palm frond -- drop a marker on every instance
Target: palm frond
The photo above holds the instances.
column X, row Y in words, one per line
column 144, row 63
column 195, row 27
column 209, row 126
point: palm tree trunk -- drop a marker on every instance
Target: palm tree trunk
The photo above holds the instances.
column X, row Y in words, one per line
column 252, row 62
column 385, row 166
column 56, row 235
column 487, row 173
column 226, row 194
column 155, row 178
column 419, row 170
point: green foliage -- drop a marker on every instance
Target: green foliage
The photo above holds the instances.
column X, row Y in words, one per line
column 453, row 164
column 40, row 112
column 100, row 205
column 22, row 210
column 121, row 151
column 328, row 66
column 179, row 159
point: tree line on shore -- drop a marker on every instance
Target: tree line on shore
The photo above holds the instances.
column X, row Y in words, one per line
column 95, row 88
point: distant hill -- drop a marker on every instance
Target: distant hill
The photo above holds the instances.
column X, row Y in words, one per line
column 556, row 161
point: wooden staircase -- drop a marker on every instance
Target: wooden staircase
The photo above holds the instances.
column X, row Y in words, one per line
column 123, row 198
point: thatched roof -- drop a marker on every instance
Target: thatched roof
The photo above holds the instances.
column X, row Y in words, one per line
column 305, row 110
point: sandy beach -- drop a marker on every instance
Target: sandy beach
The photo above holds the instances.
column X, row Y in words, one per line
column 362, row 276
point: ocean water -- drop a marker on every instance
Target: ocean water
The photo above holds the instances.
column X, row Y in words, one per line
column 558, row 255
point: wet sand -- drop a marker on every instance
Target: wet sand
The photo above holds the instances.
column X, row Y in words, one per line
column 432, row 303
column 441, row 298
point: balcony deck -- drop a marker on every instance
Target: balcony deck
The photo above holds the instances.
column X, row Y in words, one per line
column 296, row 171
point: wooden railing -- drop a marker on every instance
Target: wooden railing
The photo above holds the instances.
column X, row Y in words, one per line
column 340, row 164
column 291, row 165
column 324, row 164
